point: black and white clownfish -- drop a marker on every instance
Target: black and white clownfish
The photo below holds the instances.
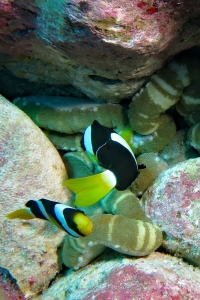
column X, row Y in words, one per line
column 67, row 218
column 112, row 153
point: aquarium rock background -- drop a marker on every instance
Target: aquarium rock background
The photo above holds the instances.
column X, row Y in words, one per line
column 64, row 64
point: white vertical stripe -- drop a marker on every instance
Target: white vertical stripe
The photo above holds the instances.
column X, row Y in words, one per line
column 166, row 86
column 141, row 235
column 152, row 237
column 87, row 140
column 42, row 209
column 58, row 209
column 117, row 138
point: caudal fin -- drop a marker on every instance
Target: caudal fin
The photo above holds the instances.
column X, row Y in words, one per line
column 22, row 213
column 91, row 189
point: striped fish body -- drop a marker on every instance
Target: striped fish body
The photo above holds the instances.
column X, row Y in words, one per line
column 67, row 218
column 112, row 152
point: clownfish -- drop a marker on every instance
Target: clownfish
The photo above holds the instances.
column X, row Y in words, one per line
column 67, row 218
column 114, row 154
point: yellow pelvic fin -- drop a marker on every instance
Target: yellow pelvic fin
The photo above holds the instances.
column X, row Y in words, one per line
column 91, row 189
column 22, row 213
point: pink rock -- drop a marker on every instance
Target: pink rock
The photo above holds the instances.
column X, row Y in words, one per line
column 104, row 48
column 172, row 202
column 8, row 287
column 157, row 276
column 31, row 168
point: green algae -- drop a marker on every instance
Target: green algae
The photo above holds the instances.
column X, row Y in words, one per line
column 51, row 18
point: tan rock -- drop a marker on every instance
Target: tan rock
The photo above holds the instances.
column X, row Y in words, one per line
column 30, row 168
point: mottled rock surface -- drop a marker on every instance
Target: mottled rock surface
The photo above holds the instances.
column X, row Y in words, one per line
column 9, row 289
column 105, row 49
column 30, row 168
column 158, row 276
column 173, row 202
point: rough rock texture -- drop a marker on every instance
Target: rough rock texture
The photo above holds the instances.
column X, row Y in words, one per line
column 30, row 168
column 9, row 290
column 105, row 49
column 173, row 202
column 158, row 276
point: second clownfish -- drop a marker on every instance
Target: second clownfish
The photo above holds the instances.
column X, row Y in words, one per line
column 71, row 220
column 112, row 153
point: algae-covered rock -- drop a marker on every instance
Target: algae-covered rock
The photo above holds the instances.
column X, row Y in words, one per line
column 30, row 168
column 105, row 49
column 114, row 276
column 8, row 287
column 71, row 115
column 173, row 202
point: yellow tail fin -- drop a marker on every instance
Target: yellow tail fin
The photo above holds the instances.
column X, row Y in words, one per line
column 23, row 213
column 91, row 189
